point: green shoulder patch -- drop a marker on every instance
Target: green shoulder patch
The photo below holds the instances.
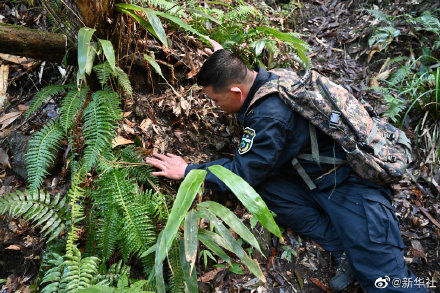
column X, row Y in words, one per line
column 246, row 140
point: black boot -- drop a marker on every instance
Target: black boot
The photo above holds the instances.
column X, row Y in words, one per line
column 344, row 273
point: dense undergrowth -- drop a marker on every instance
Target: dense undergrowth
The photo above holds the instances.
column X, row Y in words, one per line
column 411, row 84
column 115, row 214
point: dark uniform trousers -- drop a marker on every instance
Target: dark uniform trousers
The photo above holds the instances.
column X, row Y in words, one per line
column 344, row 212
column 356, row 218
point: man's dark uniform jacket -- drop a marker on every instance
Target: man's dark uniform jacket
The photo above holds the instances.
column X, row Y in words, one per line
column 344, row 212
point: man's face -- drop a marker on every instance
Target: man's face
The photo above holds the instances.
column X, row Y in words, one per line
column 229, row 100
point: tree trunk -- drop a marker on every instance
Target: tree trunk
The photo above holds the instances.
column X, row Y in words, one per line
column 37, row 44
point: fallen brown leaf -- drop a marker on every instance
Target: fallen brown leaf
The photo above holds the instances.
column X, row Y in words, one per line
column 209, row 276
column 321, row 285
column 22, row 107
column 120, row 140
column 17, row 60
column 14, row 247
column 8, row 118
column 4, row 159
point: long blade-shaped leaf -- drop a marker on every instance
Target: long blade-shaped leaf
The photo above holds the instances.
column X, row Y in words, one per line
column 212, row 241
column 157, row 26
column 190, row 237
column 154, row 64
column 145, row 23
column 188, row 271
column 185, row 196
column 84, row 37
column 158, row 271
column 287, row 37
column 153, row 25
column 233, row 244
column 109, row 53
column 248, row 197
column 182, row 24
column 232, row 221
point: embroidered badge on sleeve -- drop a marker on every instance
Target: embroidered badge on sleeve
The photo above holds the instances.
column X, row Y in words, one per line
column 246, row 140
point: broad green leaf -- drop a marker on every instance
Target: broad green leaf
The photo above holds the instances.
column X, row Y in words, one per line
column 235, row 268
column 90, row 58
column 189, row 273
column 259, row 46
column 153, row 24
column 233, row 244
column 210, row 240
column 145, row 23
column 149, row 251
column 154, row 64
column 185, row 196
column 232, row 221
column 190, row 237
column 158, row 268
column 182, row 24
column 287, row 37
column 109, row 53
column 248, row 197
column 84, row 37
column 157, row 26
column 205, row 15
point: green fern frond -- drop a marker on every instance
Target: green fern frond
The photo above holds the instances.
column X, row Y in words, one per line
column 396, row 106
column 138, row 229
column 75, row 194
column 241, row 12
column 380, row 15
column 142, row 173
column 80, row 271
column 177, row 277
column 123, row 80
column 70, row 107
column 103, row 72
column 169, row 6
column 54, row 275
column 155, row 203
column 108, row 232
column 113, row 274
column 41, row 152
column 39, row 208
column 99, row 130
column 111, row 101
column 43, row 96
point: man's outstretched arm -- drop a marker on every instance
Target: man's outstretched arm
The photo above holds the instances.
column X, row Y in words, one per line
column 254, row 166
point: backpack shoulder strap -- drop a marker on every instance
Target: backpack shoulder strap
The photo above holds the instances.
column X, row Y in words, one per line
column 272, row 87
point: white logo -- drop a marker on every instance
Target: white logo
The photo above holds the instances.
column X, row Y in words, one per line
column 382, row 282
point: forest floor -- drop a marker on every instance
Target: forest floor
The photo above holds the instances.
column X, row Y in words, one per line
column 191, row 127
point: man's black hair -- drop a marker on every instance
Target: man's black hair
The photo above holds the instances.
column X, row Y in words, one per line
column 222, row 69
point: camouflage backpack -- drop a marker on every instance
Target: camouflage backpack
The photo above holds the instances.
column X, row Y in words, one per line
column 375, row 149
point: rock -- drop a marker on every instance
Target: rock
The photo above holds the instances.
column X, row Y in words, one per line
column 18, row 145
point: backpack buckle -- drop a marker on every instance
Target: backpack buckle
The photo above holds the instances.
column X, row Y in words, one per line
column 390, row 136
column 334, row 120
column 392, row 159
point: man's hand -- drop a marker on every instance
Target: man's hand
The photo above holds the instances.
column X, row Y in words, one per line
column 216, row 46
column 171, row 166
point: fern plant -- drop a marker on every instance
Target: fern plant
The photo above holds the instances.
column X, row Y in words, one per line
column 69, row 273
column 41, row 153
column 39, row 208
column 43, row 96
column 218, row 216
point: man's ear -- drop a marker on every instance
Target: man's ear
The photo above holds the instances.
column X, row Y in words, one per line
column 235, row 90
